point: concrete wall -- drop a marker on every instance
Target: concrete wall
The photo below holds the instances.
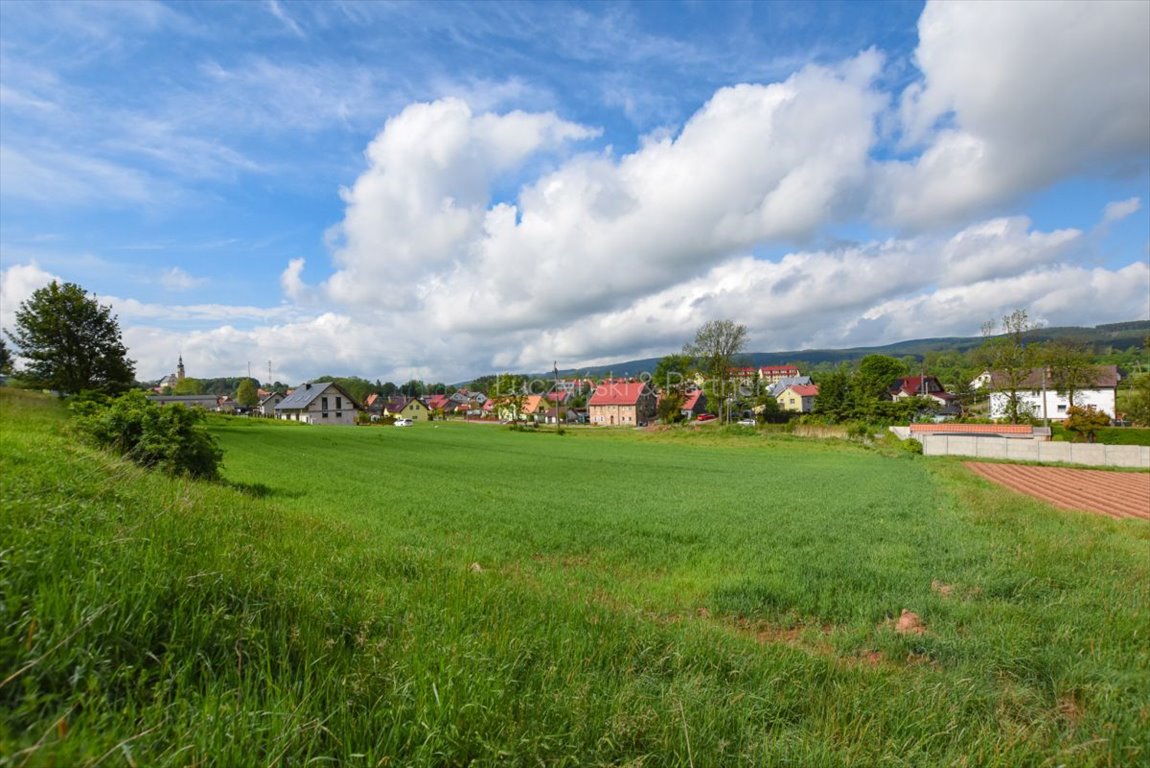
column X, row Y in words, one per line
column 1091, row 454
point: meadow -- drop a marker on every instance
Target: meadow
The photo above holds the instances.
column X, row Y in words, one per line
column 456, row 594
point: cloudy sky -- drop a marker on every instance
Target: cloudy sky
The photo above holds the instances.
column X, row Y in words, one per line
column 442, row 190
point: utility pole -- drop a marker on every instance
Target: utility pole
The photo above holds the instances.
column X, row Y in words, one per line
column 558, row 430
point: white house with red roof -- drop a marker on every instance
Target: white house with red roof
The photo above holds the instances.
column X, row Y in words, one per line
column 621, row 403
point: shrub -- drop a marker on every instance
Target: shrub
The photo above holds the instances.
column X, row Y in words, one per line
column 171, row 438
column 1085, row 422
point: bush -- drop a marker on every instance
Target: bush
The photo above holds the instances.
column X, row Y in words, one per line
column 1085, row 422
column 171, row 438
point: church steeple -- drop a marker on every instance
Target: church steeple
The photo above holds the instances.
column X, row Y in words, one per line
column 180, row 369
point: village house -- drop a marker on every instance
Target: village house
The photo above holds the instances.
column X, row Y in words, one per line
column 321, row 402
column 1039, row 398
column 925, row 386
column 440, row 403
column 401, row 407
column 694, row 403
column 776, row 388
column 798, row 397
column 621, row 403
column 529, row 408
column 268, row 403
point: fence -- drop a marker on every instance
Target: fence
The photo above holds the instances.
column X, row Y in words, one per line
column 1014, row 449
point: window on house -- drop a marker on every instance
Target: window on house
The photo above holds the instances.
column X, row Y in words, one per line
column 323, row 404
column 339, row 403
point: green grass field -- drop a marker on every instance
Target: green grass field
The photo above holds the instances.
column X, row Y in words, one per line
column 461, row 594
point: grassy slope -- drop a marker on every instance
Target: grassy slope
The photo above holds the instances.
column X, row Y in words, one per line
column 657, row 599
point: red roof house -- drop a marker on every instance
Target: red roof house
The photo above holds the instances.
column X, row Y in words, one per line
column 616, row 402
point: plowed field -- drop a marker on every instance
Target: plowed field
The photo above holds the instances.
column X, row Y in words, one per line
column 1116, row 494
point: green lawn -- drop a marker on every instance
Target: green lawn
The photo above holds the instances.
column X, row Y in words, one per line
column 455, row 594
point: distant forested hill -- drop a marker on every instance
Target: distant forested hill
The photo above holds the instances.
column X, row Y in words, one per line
column 1103, row 338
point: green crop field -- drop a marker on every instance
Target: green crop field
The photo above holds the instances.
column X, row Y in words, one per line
column 466, row 595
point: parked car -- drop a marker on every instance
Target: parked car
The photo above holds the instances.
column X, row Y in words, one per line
column 747, row 422
column 403, row 422
column 705, row 417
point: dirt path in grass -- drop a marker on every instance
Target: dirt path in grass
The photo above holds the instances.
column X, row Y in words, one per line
column 1116, row 494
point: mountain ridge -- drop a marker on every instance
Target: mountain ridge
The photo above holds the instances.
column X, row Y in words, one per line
column 1119, row 335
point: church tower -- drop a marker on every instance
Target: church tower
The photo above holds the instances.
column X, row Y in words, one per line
column 180, row 369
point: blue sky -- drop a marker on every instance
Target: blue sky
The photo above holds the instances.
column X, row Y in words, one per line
column 442, row 190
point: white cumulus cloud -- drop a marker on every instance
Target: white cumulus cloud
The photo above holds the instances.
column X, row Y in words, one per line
column 1015, row 96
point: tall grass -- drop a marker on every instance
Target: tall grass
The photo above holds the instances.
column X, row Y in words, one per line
column 456, row 595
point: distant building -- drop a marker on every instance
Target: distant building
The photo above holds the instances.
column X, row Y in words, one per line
column 928, row 387
column 172, row 379
column 1038, row 397
column 798, row 397
column 207, row 402
column 323, row 402
column 622, row 403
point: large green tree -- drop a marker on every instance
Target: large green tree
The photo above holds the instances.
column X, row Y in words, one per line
column 1136, row 400
column 5, row 358
column 673, row 373
column 1070, row 366
column 70, row 342
column 188, row 386
column 834, row 400
column 876, row 374
column 246, row 393
column 1010, row 357
column 717, row 346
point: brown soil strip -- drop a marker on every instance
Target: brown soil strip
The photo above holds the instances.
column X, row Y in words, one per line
column 1115, row 494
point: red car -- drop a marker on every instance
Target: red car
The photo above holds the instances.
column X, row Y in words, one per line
column 705, row 417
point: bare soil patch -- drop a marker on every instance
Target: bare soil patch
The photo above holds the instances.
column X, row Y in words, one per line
column 1115, row 494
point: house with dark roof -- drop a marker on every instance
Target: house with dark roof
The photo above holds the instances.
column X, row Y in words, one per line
column 616, row 402
column 925, row 386
column 321, row 402
column 1038, row 395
